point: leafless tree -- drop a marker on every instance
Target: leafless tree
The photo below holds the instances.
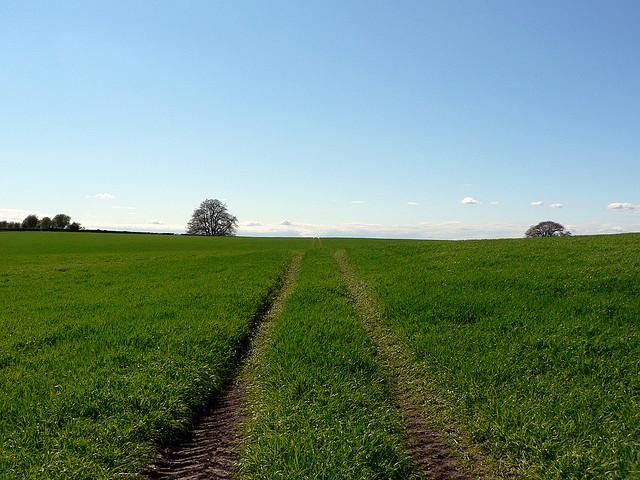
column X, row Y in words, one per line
column 547, row 229
column 212, row 218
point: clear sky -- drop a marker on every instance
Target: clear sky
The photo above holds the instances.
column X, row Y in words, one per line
column 333, row 118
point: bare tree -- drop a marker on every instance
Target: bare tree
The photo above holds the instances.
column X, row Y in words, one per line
column 212, row 218
column 547, row 229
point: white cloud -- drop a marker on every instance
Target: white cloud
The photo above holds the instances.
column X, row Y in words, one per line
column 102, row 196
column 357, row 202
column 156, row 222
column 495, row 202
column 622, row 206
column 451, row 230
column 537, row 203
column 119, row 207
column 251, row 224
column 423, row 230
column 603, row 228
column 13, row 214
column 286, row 223
column 555, row 205
column 413, row 204
column 133, row 227
column 470, row 201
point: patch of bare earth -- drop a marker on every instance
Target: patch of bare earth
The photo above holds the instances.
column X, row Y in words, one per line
column 211, row 450
column 437, row 452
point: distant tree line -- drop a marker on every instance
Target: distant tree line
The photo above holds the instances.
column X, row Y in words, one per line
column 32, row 222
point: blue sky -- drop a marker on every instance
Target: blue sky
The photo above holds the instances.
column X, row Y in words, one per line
column 323, row 118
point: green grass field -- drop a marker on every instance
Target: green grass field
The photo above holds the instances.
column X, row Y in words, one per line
column 111, row 343
column 320, row 408
column 534, row 343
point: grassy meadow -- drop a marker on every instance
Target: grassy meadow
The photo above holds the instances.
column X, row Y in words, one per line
column 111, row 343
column 319, row 405
column 535, row 344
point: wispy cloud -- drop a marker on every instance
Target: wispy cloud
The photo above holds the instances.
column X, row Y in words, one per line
column 537, row 203
column 102, row 196
column 622, row 206
column 495, row 202
column 150, row 226
column 286, row 223
column 423, row 230
column 120, row 207
column 451, row 230
column 555, row 205
column 413, row 204
column 13, row 214
column 470, row 201
column 357, row 202
column 603, row 228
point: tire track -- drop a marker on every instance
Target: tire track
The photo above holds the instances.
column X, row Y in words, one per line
column 212, row 449
column 429, row 448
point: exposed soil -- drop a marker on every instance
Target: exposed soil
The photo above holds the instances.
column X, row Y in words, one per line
column 427, row 446
column 211, row 450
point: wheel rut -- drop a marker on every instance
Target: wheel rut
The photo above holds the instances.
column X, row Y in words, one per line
column 211, row 450
column 427, row 446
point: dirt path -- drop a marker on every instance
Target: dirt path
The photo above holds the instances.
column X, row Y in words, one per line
column 211, row 451
column 429, row 447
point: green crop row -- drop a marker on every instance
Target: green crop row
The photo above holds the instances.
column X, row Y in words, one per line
column 534, row 343
column 529, row 349
column 318, row 406
column 110, row 343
